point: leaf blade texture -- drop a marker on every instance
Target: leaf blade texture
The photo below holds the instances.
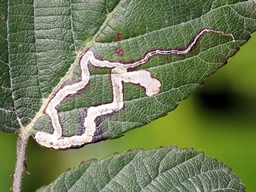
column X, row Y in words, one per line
column 162, row 169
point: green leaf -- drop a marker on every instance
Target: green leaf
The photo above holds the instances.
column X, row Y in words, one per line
column 162, row 169
column 42, row 43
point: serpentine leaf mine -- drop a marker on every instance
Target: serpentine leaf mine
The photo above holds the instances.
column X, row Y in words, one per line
column 119, row 74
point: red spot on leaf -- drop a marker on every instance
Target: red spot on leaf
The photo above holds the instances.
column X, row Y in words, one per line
column 119, row 51
column 119, row 36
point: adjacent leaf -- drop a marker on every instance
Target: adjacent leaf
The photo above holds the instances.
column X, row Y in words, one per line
column 42, row 42
column 162, row 169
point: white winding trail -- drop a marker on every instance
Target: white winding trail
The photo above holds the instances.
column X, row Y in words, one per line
column 118, row 76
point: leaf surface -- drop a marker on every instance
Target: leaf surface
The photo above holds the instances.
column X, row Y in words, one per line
column 42, row 43
column 162, row 169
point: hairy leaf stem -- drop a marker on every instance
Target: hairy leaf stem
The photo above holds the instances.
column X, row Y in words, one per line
column 20, row 161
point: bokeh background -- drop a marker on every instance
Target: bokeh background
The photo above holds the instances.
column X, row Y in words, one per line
column 219, row 119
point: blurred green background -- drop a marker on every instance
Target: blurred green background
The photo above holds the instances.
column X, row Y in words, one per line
column 218, row 119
